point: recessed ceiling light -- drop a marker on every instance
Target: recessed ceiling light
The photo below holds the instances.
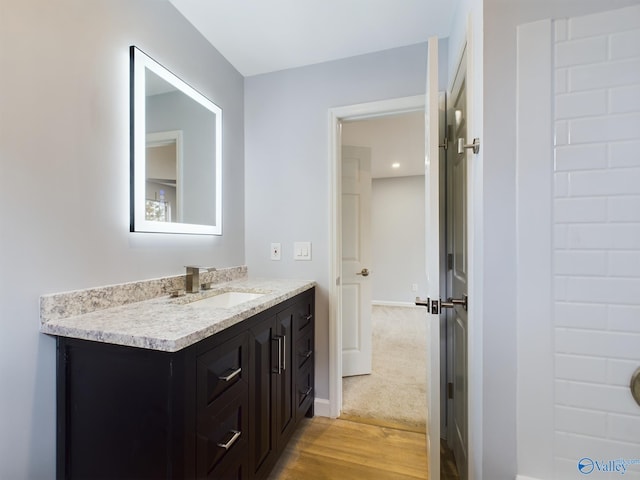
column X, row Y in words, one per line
column 395, row 165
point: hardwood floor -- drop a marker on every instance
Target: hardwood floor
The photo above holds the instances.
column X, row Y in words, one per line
column 325, row 449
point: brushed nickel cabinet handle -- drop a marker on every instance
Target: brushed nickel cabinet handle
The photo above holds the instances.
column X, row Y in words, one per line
column 233, row 374
column 232, row 440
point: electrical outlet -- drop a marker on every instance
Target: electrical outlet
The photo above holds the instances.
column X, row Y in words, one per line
column 275, row 251
column 414, row 287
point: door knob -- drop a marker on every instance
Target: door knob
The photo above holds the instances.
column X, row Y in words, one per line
column 365, row 272
column 475, row 146
column 452, row 302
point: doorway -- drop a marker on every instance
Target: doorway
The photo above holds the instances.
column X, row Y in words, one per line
column 383, row 249
column 336, row 116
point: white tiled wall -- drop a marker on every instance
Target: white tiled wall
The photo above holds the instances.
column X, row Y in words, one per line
column 596, row 255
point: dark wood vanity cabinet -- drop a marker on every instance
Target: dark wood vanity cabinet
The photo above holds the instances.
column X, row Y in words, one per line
column 223, row 408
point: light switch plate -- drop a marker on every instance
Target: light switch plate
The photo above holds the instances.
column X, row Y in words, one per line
column 275, row 251
column 302, row 251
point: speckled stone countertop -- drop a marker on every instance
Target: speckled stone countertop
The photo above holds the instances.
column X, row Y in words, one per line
column 142, row 314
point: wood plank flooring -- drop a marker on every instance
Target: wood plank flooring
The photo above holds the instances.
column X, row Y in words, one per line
column 325, row 449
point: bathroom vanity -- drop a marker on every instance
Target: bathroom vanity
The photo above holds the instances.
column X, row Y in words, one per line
column 215, row 392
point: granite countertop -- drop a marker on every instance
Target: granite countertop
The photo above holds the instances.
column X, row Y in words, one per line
column 163, row 322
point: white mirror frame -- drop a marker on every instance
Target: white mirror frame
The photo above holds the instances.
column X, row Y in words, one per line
column 140, row 63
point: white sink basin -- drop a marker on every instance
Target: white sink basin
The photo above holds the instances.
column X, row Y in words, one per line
column 226, row 299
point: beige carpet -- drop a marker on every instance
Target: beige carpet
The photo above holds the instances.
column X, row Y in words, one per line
column 395, row 392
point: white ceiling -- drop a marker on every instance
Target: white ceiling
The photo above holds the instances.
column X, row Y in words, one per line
column 392, row 139
column 260, row 36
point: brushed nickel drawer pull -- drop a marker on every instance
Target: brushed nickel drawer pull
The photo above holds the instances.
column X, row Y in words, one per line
column 233, row 374
column 278, row 369
column 232, row 440
column 284, row 352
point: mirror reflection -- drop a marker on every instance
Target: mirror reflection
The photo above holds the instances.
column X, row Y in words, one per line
column 176, row 153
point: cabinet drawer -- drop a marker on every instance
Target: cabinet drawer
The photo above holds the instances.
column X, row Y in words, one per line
column 303, row 318
column 304, row 350
column 304, row 391
column 222, row 440
column 222, row 370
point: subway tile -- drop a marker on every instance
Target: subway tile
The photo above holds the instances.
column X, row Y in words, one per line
column 581, row 52
column 605, row 182
column 560, row 29
column 560, row 288
column 594, row 397
column 561, row 184
column 633, row 473
column 580, row 210
column 619, row 372
column 568, row 262
column 560, row 237
column 624, row 209
column 603, row 75
column 581, row 368
column 624, row 154
column 561, row 83
column 622, row 291
column 605, row 129
column 625, row 264
column 616, row 236
column 596, row 343
column 581, row 104
column 624, row 318
column 564, row 468
column 561, row 133
column 625, row 428
column 585, row 422
column 573, row 446
column 625, row 44
column 625, row 99
column 604, row 23
column 580, row 315
column 581, row 157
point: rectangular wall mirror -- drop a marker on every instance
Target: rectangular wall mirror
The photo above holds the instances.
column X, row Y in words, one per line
column 176, row 153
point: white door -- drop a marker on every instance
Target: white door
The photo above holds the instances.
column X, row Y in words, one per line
column 456, row 228
column 432, row 197
column 356, row 261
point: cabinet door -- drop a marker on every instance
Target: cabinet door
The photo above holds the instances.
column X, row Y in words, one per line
column 285, row 401
column 262, row 437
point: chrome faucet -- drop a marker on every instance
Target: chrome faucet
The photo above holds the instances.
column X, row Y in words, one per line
column 192, row 283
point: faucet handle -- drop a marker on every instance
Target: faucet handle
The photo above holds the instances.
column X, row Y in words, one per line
column 198, row 268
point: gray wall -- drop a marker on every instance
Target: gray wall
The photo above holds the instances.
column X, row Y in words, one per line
column 398, row 238
column 64, row 165
column 286, row 129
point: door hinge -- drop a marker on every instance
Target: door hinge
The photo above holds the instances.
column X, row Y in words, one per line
column 447, row 136
column 450, row 390
column 450, row 261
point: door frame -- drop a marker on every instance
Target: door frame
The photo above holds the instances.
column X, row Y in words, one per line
column 336, row 115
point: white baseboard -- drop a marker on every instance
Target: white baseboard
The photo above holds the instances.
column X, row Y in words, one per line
column 522, row 477
column 322, row 407
column 383, row 303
